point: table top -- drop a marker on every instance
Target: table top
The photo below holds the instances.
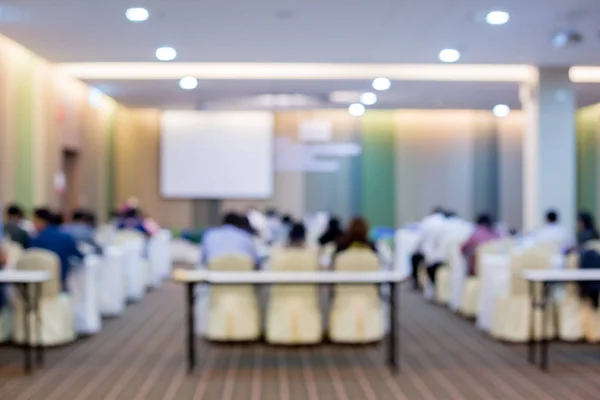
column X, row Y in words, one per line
column 282, row 277
column 16, row 276
column 561, row 275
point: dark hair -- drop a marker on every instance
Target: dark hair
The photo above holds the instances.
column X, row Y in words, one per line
column 552, row 216
column 357, row 231
column 131, row 213
column 587, row 221
column 334, row 224
column 438, row 210
column 271, row 212
column 244, row 223
column 14, row 210
column 232, row 219
column 485, row 220
column 297, row 233
column 449, row 214
column 115, row 214
column 287, row 219
column 58, row 218
column 44, row 214
column 89, row 218
column 78, row 215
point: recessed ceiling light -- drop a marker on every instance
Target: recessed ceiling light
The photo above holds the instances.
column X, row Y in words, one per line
column 166, row 53
column 368, row 99
column 497, row 17
column 356, row 109
column 566, row 37
column 137, row 14
column 188, row 83
column 449, row 55
column 381, row 84
column 501, row 110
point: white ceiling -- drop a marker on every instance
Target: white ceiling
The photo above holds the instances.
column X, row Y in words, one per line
column 339, row 31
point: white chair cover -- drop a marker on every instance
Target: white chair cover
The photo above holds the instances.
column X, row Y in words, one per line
column 356, row 313
column 185, row 252
column 294, row 315
column 136, row 268
column 111, row 282
column 406, row 242
column 84, row 285
column 233, row 311
column 56, row 308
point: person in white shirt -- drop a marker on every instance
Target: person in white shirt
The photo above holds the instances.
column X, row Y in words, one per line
column 228, row 239
column 428, row 251
column 552, row 232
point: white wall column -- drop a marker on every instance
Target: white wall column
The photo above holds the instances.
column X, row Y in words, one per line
column 549, row 154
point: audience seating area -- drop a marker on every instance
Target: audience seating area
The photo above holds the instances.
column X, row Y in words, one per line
column 100, row 287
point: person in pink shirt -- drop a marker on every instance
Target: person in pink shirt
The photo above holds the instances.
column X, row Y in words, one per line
column 484, row 232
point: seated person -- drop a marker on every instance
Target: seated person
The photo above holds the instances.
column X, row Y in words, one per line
column 333, row 233
column 297, row 237
column 356, row 237
column 484, row 232
column 228, row 239
column 13, row 226
column 552, row 232
column 131, row 219
column 51, row 237
column 586, row 229
column 82, row 229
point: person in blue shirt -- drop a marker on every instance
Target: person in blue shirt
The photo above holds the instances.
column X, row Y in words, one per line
column 131, row 219
column 81, row 228
column 228, row 239
column 51, row 237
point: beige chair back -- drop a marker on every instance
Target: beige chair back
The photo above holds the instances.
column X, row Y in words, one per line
column 43, row 260
column 356, row 260
column 232, row 263
column 536, row 257
column 295, row 260
column 497, row 246
column 128, row 235
column 13, row 250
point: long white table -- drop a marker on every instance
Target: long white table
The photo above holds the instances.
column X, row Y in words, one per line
column 31, row 302
column 549, row 277
column 191, row 278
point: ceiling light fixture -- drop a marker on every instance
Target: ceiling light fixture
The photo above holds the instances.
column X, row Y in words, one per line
column 166, row 53
column 356, row 109
column 449, row 55
column 368, row 99
column 137, row 14
column 566, row 37
column 188, row 83
column 497, row 17
column 381, row 84
column 501, row 110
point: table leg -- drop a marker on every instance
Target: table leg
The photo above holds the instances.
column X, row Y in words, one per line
column 38, row 323
column 27, row 348
column 545, row 341
column 191, row 339
column 392, row 346
column 531, row 343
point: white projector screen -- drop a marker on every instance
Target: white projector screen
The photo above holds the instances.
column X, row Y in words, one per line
column 216, row 154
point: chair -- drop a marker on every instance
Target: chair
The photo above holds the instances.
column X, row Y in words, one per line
column 233, row 311
column 356, row 314
column 136, row 269
column 293, row 314
column 105, row 234
column 83, row 284
column 13, row 252
column 111, row 283
column 512, row 312
column 326, row 255
column 590, row 317
column 445, row 275
column 571, row 310
column 56, row 307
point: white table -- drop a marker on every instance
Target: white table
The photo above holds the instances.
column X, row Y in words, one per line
column 31, row 301
column 549, row 277
column 194, row 277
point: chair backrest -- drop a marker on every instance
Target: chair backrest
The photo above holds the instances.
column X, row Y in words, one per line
column 295, row 260
column 128, row 235
column 592, row 245
column 13, row 250
column 233, row 262
column 535, row 257
column 357, row 260
column 104, row 234
column 43, row 260
column 498, row 246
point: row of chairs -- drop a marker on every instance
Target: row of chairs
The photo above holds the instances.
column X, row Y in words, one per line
column 100, row 287
column 293, row 314
column 569, row 317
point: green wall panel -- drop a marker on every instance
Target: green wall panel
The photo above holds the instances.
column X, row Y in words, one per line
column 587, row 120
column 24, row 171
column 377, row 172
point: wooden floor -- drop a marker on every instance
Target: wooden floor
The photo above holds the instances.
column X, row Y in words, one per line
column 141, row 356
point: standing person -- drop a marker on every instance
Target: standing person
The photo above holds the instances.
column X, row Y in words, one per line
column 13, row 225
column 484, row 232
column 429, row 229
column 50, row 237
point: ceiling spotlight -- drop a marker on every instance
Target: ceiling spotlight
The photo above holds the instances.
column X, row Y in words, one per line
column 368, row 99
column 166, row 53
column 566, row 37
column 137, row 14
column 356, row 109
column 381, row 84
column 497, row 17
column 501, row 110
column 188, row 83
column 449, row 55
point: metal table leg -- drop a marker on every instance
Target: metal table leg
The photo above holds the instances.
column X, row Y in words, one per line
column 545, row 341
column 23, row 288
column 37, row 287
column 191, row 305
column 531, row 343
column 393, row 344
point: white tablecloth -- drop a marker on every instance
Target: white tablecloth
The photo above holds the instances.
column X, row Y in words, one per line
column 83, row 284
column 458, row 275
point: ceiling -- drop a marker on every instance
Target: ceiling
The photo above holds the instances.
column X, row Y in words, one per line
column 308, row 31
